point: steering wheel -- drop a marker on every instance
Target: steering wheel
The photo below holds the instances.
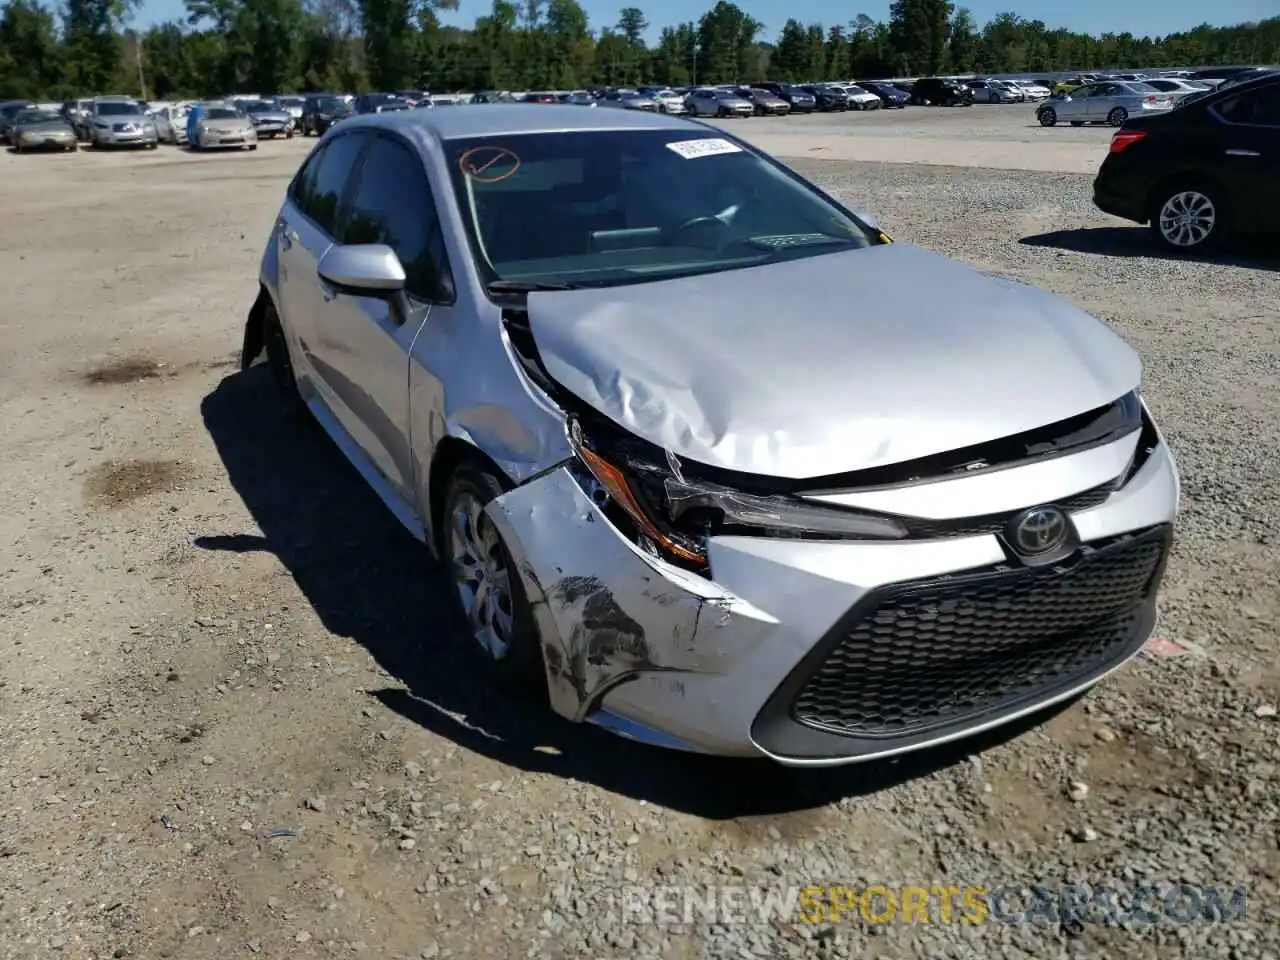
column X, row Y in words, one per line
column 693, row 223
column 697, row 222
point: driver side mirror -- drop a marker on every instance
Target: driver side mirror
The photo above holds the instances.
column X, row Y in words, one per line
column 363, row 270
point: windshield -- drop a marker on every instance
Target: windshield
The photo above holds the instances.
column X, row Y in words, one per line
column 257, row 106
column 221, row 113
column 119, row 109
column 604, row 208
column 37, row 116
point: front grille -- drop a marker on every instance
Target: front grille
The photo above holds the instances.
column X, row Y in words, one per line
column 921, row 529
column 929, row 654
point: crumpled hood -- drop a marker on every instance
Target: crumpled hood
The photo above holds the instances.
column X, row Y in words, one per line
column 829, row 364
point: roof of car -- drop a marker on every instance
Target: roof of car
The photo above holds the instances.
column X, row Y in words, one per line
column 516, row 118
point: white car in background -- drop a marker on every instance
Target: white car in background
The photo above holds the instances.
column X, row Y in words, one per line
column 1032, row 89
column 1176, row 87
column 859, row 98
column 291, row 105
column 668, row 100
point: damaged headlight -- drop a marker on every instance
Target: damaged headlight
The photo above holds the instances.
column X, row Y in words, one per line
column 673, row 513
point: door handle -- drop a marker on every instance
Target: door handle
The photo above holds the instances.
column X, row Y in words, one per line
column 1243, row 153
column 287, row 236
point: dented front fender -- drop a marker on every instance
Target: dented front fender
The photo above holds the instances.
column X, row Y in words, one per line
column 607, row 612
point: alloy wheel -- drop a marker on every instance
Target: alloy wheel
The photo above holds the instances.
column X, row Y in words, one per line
column 1118, row 116
column 481, row 576
column 1048, row 117
column 1187, row 219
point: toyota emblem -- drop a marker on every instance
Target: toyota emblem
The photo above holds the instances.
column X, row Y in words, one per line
column 1039, row 530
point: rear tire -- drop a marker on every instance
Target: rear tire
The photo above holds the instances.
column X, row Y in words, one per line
column 1118, row 116
column 1190, row 215
column 281, row 365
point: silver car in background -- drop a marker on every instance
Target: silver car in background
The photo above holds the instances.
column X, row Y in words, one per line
column 994, row 91
column 766, row 103
column 171, row 123
column 269, row 118
column 628, row 100
column 708, row 459
column 120, row 122
column 715, row 102
column 1104, row 101
column 223, row 126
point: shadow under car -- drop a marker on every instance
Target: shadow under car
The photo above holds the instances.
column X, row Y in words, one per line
column 1259, row 253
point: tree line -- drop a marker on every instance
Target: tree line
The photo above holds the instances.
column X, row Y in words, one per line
column 276, row 46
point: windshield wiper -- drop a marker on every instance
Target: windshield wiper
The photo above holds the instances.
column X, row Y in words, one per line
column 527, row 286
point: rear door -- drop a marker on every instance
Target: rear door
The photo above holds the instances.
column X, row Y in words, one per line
column 1250, row 128
column 304, row 230
column 366, row 365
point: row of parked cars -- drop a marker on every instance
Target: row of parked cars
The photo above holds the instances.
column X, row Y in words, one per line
column 1113, row 100
column 237, row 121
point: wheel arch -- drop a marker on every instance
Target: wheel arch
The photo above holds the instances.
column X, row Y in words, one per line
column 450, row 453
column 255, row 338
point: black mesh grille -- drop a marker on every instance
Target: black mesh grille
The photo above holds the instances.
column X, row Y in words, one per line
column 995, row 522
column 932, row 654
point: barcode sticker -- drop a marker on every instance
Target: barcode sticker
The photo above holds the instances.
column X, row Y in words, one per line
column 692, row 149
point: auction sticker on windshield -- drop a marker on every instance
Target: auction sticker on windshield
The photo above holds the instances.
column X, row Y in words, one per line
column 692, row 149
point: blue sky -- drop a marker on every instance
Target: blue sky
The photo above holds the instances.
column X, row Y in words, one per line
column 1139, row 17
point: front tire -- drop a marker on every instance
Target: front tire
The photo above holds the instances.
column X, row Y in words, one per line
column 1190, row 216
column 1048, row 117
column 487, row 590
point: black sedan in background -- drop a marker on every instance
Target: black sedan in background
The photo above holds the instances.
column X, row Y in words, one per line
column 941, row 92
column 827, row 99
column 1199, row 173
column 321, row 111
column 890, row 96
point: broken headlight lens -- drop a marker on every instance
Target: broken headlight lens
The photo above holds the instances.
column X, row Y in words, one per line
column 676, row 513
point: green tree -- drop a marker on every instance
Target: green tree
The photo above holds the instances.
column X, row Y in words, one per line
column 726, row 41
column 30, row 55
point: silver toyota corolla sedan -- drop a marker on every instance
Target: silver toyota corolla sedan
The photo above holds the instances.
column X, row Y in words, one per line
column 705, row 454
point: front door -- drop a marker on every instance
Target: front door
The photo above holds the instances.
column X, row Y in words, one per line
column 303, row 233
column 369, row 339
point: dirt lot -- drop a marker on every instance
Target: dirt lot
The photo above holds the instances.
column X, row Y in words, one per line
column 233, row 724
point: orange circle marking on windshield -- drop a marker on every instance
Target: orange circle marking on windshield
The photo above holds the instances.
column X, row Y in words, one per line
column 477, row 163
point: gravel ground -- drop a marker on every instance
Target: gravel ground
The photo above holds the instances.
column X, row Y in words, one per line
column 232, row 722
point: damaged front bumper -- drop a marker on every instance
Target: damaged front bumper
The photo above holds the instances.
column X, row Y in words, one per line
column 825, row 652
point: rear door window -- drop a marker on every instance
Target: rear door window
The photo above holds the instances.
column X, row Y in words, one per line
column 322, row 183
